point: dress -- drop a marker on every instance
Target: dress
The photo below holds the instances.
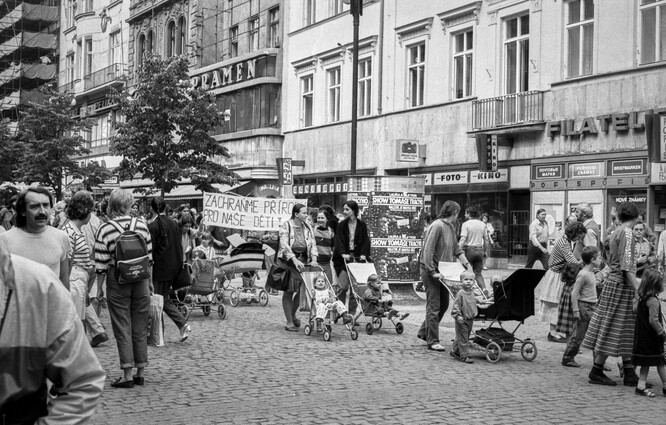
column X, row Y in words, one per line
column 565, row 316
column 551, row 283
column 611, row 330
column 648, row 345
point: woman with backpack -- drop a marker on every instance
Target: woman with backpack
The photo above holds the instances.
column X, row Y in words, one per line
column 123, row 253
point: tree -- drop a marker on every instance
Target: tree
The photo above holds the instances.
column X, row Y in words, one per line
column 166, row 133
column 93, row 174
column 51, row 136
column 10, row 153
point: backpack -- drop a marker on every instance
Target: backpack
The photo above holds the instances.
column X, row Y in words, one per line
column 133, row 263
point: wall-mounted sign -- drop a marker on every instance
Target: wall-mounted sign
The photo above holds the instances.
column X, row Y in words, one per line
column 627, row 167
column 408, row 150
column 285, row 171
column 501, row 175
column 627, row 181
column 588, row 169
column 452, row 177
column 548, row 171
column 547, row 185
column 593, row 125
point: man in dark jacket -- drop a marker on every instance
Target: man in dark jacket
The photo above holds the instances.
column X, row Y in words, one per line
column 168, row 260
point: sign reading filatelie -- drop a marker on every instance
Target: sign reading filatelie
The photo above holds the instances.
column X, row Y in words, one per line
column 238, row 212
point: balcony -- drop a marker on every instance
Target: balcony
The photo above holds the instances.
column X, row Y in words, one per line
column 115, row 72
column 67, row 87
column 509, row 110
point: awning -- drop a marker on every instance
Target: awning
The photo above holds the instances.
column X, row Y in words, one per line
column 185, row 191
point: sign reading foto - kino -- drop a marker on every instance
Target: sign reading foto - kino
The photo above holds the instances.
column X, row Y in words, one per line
column 590, row 175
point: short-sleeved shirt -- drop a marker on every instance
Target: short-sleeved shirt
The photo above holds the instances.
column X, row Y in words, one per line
column 50, row 247
column 105, row 241
column 81, row 251
column 473, row 230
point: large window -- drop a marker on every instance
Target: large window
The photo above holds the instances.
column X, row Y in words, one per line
column 233, row 41
column 254, row 34
column 88, row 56
column 171, row 38
column 274, row 27
column 653, row 30
column 308, row 12
column 517, row 53
column 69, row 67
column 416, row 69
column 307, row 96
column 580, row 37
column 365, row 87
column 70, row 11
column 336, row 7
column 333, row 77
column 462, row 63
column 181, row 41
column 140, row 49
column 115, row 54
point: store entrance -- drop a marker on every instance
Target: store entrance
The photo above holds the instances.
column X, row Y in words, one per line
column 518, row 227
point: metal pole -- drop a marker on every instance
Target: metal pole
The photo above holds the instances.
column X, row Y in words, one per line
column 356, row 11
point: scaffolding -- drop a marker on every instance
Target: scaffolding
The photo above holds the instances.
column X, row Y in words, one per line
column 28, row 51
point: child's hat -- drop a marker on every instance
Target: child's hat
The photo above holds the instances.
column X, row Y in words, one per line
column 320, row 284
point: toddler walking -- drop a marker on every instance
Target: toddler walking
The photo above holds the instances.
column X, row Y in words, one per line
column 464, row 311
column 649, row 335
column 379, row 300
column 583, row 301
column 325, row 301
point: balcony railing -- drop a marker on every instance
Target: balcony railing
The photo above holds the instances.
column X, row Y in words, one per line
column 109, row 74
column 511, row 109
column 67, row 87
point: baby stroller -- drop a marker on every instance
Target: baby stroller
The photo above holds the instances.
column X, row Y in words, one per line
column 513, row 299
column 310, row 275
column 358, row 273
column 203, row 291
column 246, row 258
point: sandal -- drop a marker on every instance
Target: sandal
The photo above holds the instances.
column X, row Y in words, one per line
column 644, row 392
column 437, row 347
column 291, row 328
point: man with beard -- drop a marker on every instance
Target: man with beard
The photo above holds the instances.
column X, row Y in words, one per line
column 33, row 238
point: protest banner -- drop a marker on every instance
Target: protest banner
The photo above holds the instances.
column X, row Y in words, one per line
column 238, row 212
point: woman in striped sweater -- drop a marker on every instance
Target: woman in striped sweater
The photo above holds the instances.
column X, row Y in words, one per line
column 324, row 238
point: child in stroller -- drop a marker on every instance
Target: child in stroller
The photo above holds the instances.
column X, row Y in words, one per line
column 325, row 301
column 378, row 300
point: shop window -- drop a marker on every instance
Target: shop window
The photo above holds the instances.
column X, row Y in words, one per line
column 653, row 31
column 233, row 42
column 580, row 37
column 333, row 76
column 365, row 87
column 517, row 53
column 307, row 97
column 462, row 63
column 254, row 34
column 416, row 72
column 274, row 27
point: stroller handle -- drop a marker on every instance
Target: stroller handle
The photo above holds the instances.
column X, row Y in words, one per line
column 357, row 260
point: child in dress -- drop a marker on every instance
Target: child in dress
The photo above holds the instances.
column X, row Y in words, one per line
column 464, row 311
column 649, row 335
column 325, row 301
column 565, row 317
column 379, row 300
column 583, row 300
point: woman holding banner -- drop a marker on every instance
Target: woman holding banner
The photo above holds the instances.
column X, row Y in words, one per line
column 297, row 245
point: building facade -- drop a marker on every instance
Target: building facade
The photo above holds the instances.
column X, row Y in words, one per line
column 562, row 89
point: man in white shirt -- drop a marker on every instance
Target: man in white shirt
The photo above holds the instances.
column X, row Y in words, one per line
column 33, row 238
column 538, row 245
column 593, row 237
column 472, row 240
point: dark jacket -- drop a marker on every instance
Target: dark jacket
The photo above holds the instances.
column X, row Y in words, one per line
column 167, row 248
column 361, row 243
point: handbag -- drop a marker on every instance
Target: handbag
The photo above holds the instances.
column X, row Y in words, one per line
column 278, row 276
column 184, row 277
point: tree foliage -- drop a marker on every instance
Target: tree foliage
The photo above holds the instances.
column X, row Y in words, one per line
column 166, row 133
column 50, row 137
column 10, row 153
column 92, row 175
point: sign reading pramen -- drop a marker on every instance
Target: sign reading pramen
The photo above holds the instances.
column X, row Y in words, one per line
column 238, row 212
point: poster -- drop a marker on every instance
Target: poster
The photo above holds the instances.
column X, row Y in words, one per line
column 238, row 212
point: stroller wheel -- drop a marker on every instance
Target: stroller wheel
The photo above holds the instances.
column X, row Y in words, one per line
column 377, row 323
column 206, row 310
column 221, row 312
column 528, row 350
column 220, row 296
column 263, row 298
column 327, row 335
column 399, row 328
column 493, row 352
column 369, row 329
column 234, row 298
column 354, row 334
column 307, row 330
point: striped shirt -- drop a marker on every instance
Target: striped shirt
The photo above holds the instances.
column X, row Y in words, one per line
column 324, row 241
column 105, row 241
column 561, row 255
column 81, row 251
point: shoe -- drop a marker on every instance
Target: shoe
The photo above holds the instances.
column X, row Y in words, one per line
column 403, row 316
column 454, row 355
column 553, row 338
column 184, row 332
column 601, row 379
column 467, row 360
column 485, row 268
column 630, row 378
column 570, row 363
column 419, row 287
column 99, row 339
column 291, row 328
column 645, row 392
column 297, row 322
column 391, row 314
column 437, row 347
column 421, row 337
column 346, row 318
column 119, row 383
column 138, row 380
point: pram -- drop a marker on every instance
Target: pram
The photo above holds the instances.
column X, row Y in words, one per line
column 309, row 275
column 358, row 273
column 246, row 258
column 204, row 286
column 513, row 299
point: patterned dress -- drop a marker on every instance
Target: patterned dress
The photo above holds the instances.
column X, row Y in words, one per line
column 551, row 283
column 611, row 330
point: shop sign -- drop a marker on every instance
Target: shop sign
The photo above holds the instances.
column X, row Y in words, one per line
column 627, row 181
column 338, row 187
column 226, row 75
column 627, row 167
column 427, row 178
column 636, row 199
column 658, row 172
column 547, row 185
column 296, row 190
column 662, row 136
column 548, row 171
column 345, row 186
column 408, row 150
column 501, row 175
column 591, row 169
column 112, row 180
column 593, row 125
column 454, row 177
column 324, row 188
column 586, row 183
column 285, row 174
column 361, row 198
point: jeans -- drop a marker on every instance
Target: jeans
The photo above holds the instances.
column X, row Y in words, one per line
column 162, row 287
column 343, row 284
column 129, row 305
column 534, row 253
column 437, row 302
column 461, row 343
column 474, row 255
column 579, row 329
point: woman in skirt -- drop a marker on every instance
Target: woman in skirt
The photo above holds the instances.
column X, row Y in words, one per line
column 611, row 329
column 551, row 284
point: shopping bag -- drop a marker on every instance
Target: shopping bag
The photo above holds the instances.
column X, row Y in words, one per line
column 155, row 328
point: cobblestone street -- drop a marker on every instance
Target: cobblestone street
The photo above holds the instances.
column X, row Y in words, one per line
column 248, row 369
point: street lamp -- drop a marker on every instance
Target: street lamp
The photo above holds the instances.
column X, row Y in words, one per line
column 356, row 10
